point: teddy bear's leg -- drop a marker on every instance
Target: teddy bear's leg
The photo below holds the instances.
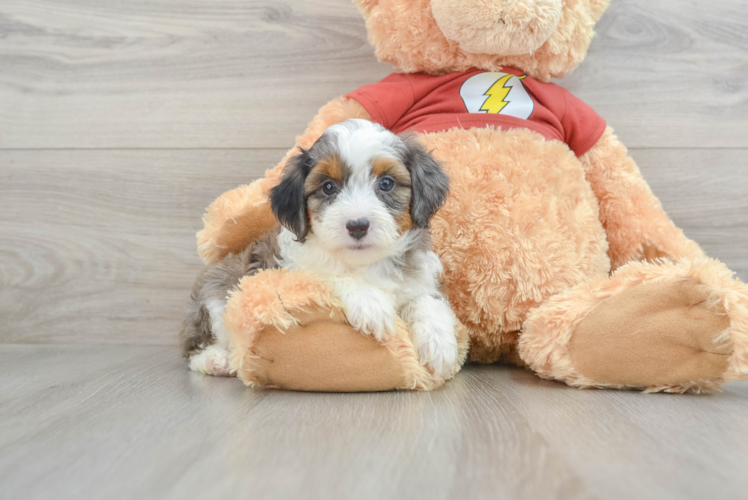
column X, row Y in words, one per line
column 666, row 327
column 237, row 217
column 289, row 330
column 636, row 225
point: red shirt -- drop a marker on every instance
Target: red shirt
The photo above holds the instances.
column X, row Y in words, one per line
column 478, row 98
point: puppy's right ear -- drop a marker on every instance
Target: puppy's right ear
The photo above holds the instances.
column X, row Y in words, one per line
column 288, row 199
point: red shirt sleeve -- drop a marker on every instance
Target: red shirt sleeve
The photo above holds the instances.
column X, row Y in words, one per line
column 582, row 126
column 386, row 101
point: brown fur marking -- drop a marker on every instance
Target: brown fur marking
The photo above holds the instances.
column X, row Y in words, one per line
column 404, row 221
column 393, row 168
column 399, row 198
column 381, row 165
column 330, row 168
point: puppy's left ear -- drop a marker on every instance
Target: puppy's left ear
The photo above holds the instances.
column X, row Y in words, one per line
column 429, row 183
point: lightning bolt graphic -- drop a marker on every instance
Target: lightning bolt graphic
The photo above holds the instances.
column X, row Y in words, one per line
column 496, row 95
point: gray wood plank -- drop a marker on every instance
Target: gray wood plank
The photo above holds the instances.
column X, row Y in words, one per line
column 230, row 73
column 670, row 73
column 99, row 246
column 158, row 73
column 130, row 422
column 705, row 192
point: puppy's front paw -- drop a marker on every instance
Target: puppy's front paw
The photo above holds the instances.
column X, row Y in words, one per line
column 432, row 331
column 436, row 345
column 213, row 360
column 370, row 311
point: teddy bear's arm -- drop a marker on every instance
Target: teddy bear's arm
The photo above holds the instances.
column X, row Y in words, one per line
column 636, row 224
column 238, row 217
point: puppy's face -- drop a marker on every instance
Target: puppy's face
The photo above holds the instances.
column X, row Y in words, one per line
column 358, row 189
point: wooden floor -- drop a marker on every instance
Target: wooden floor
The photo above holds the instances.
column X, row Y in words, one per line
column 121, row 121
column 126, row 422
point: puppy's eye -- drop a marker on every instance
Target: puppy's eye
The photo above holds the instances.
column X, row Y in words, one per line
column 386, row 184
column 329, row 188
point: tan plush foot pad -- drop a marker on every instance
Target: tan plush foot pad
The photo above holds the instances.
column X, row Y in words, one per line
column 665, row 327
column 288, row 331
column 656, row 334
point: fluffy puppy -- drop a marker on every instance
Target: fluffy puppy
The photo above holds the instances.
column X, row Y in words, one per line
column 355, row 210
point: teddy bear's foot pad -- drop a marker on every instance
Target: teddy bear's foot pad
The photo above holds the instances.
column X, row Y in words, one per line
column 323, row 355
column 654, row 334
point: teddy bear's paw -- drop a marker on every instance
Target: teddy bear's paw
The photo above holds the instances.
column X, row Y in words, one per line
column 370, row 311
column 213, row 360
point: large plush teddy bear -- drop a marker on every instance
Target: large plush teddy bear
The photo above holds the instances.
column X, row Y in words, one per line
column 557, row 255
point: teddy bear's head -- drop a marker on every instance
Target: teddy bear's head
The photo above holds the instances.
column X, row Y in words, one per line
column 544, row 38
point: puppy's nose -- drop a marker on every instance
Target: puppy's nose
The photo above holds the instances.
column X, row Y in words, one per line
column 357, row 228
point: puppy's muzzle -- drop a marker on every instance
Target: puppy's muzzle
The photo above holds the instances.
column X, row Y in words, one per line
column 357, row 228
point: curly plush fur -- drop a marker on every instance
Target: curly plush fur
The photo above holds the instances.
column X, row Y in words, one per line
column 406, row 34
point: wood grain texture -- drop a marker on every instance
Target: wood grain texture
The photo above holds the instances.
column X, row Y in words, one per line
column 670, row 73
column 705, row 192
column 164, row 74
column 123, row 422
column 252, row 73
column 99, row 246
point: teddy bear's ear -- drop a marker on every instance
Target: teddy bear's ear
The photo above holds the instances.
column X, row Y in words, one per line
column 598, row 7
column 365, row 6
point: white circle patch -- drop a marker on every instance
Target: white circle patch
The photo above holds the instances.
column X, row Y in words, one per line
column 497, row 93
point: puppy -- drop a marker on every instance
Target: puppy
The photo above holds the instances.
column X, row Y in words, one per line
column 354, row 209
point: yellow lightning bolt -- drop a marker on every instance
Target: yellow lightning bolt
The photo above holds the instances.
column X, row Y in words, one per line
column 496, row 95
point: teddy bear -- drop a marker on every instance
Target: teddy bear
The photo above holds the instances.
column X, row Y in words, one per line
column 557, row 255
